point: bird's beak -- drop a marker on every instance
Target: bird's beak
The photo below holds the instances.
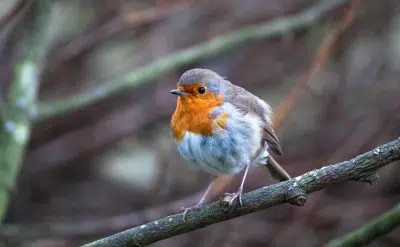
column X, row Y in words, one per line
column 177, row 92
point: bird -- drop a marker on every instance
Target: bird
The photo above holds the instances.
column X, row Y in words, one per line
column 222, row 129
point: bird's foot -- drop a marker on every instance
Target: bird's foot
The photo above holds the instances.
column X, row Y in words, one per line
column 232, row 196
column 196, row 207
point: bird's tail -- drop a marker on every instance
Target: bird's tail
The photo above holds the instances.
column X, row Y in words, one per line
column 277, row 170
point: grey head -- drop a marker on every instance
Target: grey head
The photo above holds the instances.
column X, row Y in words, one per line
column 213, row 82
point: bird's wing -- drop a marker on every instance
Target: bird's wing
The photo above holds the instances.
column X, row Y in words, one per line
column 247, row 102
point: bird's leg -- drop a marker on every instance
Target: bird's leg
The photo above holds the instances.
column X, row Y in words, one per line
column 238, row 194
column 200, row 203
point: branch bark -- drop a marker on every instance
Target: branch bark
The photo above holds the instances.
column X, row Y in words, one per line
column 210, row 48
column 361, row 168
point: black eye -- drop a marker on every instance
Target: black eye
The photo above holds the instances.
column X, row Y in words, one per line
column 201, row 90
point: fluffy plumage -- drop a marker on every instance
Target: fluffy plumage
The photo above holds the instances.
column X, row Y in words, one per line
column 223, row 130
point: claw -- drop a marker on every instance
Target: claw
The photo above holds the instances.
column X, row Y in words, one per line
column 233, row 196
column 187, row 210
column 238, row 194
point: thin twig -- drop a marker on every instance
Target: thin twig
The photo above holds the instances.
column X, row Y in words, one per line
column 380, row 226
column 294, row 191
column 129, row 20
column 208, row 49
column 323, row 54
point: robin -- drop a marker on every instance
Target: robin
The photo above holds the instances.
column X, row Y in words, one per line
column 222, row 128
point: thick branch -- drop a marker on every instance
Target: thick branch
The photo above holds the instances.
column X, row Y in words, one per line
column 370, row 231
column 294, row 191
column 208, row 49
column 16, row 120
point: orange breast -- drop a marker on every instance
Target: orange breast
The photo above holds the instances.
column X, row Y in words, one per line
column 192, row 114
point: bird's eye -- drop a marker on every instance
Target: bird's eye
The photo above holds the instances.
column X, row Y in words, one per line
column 201, row 90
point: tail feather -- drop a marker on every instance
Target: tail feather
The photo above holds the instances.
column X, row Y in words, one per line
column 277, row 170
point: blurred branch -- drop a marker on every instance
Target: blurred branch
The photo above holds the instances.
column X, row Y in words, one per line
column 130, row 20
column 361, row 168
column 96, row 226
column 14, row 10
column 15, row 130
column 323, row 54
column 208, row 49
column 376, row 228
column 101, row 225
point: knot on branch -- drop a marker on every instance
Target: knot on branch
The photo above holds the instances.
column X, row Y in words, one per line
column 368, row 177
column 296, row 196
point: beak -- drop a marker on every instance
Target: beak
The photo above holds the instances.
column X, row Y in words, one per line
column 177, row 92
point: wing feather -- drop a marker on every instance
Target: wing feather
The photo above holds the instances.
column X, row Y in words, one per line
column 247, row 102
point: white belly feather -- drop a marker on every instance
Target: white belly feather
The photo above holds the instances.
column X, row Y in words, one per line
column 228, row 150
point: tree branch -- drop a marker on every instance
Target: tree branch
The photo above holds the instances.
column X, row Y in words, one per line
column 370, row 231
column 294, row 191
column 208, row 49
column 17, row 111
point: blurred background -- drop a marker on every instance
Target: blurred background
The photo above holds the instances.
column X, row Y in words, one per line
column 112, row 165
